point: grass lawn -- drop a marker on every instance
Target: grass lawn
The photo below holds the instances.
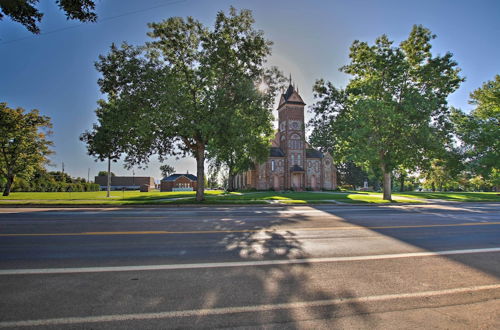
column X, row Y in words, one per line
column 456, row 196
column 132, row 195
column 99, row 197
column 219, row 197
column 302, row 197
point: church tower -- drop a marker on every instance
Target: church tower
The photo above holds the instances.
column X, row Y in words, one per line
column 292, row 137
column 292, row 163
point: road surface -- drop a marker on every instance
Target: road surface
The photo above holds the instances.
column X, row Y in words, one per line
column 299, row 267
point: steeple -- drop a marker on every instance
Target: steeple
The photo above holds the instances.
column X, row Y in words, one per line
column 291, row 96
column 289, row 92
column 291, row 136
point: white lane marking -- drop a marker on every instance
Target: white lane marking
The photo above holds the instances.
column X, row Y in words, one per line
column 238, row 263
column 241, row 309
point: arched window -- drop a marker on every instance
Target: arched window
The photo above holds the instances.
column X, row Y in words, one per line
column 295, row 142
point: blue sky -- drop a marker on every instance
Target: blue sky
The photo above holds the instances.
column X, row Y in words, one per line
column 54, row 72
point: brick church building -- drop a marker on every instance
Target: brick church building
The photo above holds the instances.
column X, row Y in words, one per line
column 292, row 163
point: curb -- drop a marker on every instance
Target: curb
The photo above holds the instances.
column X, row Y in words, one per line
column 223, row 205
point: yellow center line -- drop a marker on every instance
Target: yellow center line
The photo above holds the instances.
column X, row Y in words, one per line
column 165, row 232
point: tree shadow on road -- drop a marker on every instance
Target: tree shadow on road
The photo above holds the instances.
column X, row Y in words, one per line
column 271, row 285
column 234, row 237
column 440, row 227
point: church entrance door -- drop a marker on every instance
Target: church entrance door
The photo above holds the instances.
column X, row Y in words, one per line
column 313, row 183
column 296, row 181
column 276, row 183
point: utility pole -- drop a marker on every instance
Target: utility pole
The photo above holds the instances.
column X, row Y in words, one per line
column 63, row 168
column 88, row 175
column 109, row 177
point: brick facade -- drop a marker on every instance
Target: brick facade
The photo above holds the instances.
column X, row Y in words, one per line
column 178, row 181
column 127, row 182
column 292, row 163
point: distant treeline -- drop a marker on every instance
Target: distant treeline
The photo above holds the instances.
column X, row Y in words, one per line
column 43, row 181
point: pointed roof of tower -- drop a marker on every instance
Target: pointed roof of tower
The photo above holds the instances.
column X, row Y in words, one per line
column 289, row 92
column 291, row 96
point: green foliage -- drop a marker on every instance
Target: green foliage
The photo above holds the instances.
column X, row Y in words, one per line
column 25, row 12
column 105, row 173
column 23, row 143
column 349, row 174
column 438, row 177
column 52, row 186
column 487, row 100
column 393, row 111
column 104, row 141
column 166, row 170
column 346, row 187
column 480, row 130
column 478, row 183
column 58, row 176
column 183, row 92
column 43, row 181
column 213, row 180
column 247, row 136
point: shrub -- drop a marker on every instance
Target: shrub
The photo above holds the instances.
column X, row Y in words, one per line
column 347, row 187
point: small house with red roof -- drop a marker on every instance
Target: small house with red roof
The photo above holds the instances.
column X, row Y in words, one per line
column 178, row 182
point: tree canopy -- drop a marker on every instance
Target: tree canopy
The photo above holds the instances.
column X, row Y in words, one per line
column 24, row 146
column 26, row 13
column 178, row 94
column 247, row 133
column 480, row 131
column 105, row 173
column 104, row 140
column 393, row 111
column 166, row 170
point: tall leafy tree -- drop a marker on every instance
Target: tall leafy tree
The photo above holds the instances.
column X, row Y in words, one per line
column 26, row 12
column 180, row 91
column 104, row 141
column 166, row 170
column 393, row 111
column 24, row 146
column 480, row 131
column 351, row 174
column 442, row 173
column 249, row 130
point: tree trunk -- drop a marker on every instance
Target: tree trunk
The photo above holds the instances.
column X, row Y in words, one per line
column 402, row 183
column 334, row 174
column 387, row 185
column 230, row 182
column 200, row 172
column 109, row 177
column 8, row 185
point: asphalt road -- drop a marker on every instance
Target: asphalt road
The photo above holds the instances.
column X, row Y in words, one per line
column 299, row 267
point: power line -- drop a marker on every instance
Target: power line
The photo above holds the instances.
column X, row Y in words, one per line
column 104, row 19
